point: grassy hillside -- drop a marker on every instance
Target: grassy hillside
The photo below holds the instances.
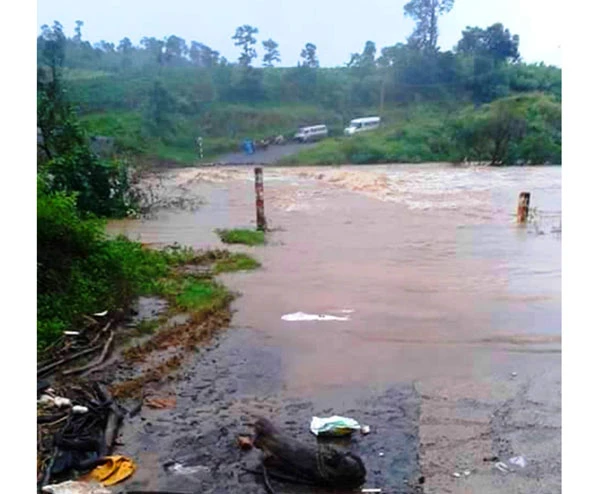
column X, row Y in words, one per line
column 515, row 130
column 222, row 126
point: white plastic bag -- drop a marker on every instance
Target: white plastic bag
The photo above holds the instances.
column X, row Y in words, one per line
column 334, row 426
column 71, row 487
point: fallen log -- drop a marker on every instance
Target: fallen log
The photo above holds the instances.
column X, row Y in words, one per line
column 320, row 465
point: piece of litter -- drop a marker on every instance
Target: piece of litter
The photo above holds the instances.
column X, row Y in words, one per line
column 62, row 402
column 513, row 374
column 374, row 491
column 178, row 468
column 45, row 399
column 101, row 314
column 466, row 473
column 334, row 425
column 302, row 316
column 381, row 453
column 456, row 474
column 71, row 487
column 519, row 461
column 71, row 333
column 79, row 409
column 161, row 403
column 114, row 469
column 245, row 442
column 503, row 467
column 365, row 429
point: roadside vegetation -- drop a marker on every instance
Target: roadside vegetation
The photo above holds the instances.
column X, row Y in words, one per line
column 80, row 270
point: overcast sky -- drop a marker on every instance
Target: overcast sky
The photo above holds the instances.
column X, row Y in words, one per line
column 337, row 27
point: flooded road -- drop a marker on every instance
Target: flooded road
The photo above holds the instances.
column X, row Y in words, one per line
column 448, row 302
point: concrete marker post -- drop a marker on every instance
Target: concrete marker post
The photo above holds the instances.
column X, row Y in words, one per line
column 523, row 207
column 200, row 144
column 261, row 222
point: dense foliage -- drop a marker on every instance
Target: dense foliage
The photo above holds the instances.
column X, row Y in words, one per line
column 79, row 270
column 67, row 163
column 162, row 94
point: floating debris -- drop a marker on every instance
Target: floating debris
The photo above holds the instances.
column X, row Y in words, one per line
column 180, row 469
column 302, row 316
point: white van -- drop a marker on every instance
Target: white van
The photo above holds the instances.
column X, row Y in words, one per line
column 314, row 133
column 362, row 125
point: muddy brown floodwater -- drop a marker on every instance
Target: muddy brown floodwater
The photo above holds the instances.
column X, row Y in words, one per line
column 451, row 350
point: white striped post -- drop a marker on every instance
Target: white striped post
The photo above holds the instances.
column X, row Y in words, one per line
column 200, row 147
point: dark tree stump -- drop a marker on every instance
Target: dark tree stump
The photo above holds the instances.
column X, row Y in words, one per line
column 318, row 465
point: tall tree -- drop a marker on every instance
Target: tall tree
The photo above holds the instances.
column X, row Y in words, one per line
column 366, row 59
column 203, row 55
column 106, row 47
column 125, row 46
column 309, row 56
column 271, row 53
column 175, row 48
column 155, row 47
column 495, row 42
column 426, row 14
column 52, row 106
column 244, row 37
column 77, row 37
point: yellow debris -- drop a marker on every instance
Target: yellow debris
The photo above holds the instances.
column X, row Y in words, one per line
column 115, row 470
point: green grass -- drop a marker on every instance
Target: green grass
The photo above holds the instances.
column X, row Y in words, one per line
column 235, row 262
column 124, row 126
column 198, row 295
column 242, row 236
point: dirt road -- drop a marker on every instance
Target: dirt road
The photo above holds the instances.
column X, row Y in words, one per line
column 450, row 349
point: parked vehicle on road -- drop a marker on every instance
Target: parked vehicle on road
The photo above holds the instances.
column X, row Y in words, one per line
column 313, row 133
column 362, row 125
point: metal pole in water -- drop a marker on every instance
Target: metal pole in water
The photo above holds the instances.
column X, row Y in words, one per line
column 523, row 207
column 261, row 222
